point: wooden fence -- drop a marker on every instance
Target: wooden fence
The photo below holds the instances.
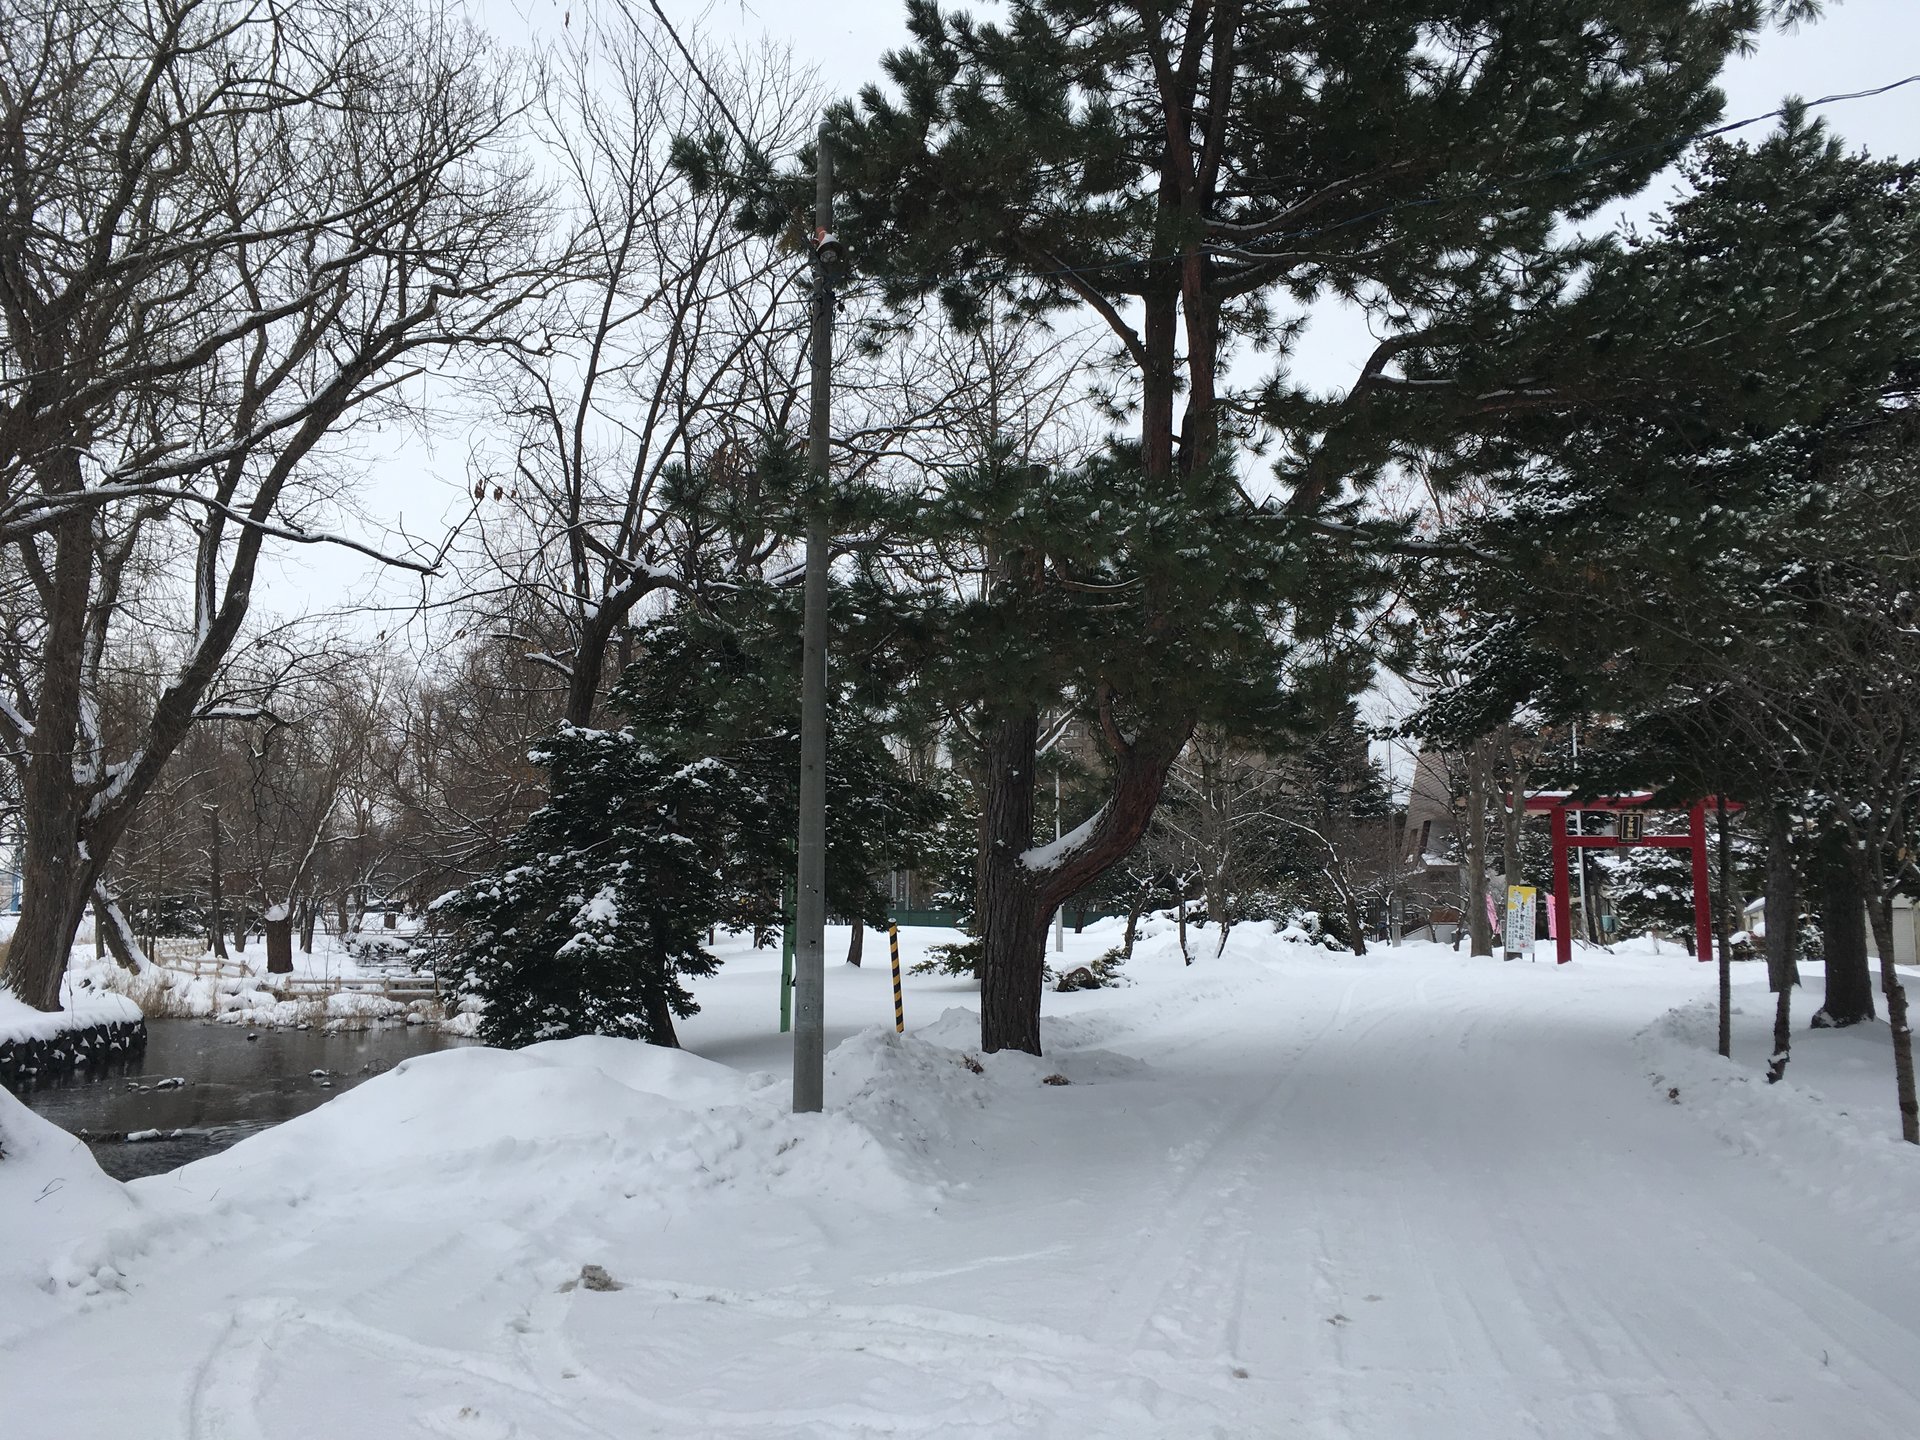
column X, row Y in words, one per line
column 199, row 965
column 189, row 957
column 391, row 987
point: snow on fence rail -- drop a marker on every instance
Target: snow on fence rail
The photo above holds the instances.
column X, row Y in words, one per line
column 187, row 957
column 202, row 965
column 394, row 987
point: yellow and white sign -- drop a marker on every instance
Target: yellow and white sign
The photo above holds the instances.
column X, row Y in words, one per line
column 1520, row 906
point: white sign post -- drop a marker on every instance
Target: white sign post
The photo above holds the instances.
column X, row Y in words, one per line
column 1520, row 904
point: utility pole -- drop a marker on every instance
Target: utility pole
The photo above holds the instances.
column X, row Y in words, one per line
column 810, row 907
column 1060, row 915
column 1586, row 910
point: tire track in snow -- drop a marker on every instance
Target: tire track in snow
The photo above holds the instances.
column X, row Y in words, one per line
column 1640, row 1293
column 223, row 1400
column 1206, row 1211
column 1621, row 1246
column 970, row 1373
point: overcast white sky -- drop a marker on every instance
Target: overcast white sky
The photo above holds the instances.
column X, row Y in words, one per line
column 1861, row 44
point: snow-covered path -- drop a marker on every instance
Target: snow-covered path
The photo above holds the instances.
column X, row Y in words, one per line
column 1286, row 1193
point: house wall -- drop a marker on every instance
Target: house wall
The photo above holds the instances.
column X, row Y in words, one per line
column 1906, row 934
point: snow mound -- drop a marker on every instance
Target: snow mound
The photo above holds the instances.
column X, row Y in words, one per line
column 54, row 1200
column 582, row 1122
column 1070, row 1043
column 1854, row 1161
column 929, row 1094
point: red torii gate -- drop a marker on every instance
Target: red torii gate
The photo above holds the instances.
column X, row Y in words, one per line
column 1556, row 803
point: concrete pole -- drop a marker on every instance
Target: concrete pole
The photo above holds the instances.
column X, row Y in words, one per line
column 1586, row 911
column 1060, row 915
column 810, row 918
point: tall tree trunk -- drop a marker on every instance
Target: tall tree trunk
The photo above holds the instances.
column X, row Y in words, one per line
column 60, row 810
column 1783, row 937
column 1017, row 902
column 309, row 913
column 54, row 891
column 1479, row 927
column 57, row 869
column 1013, row 927
column 1214, row 891
column 1881, row 912
column 660, row 1024
column 1133, row 927
column 857, row 945
column 1843, row 937
column 216, row 921
column 1513, row 821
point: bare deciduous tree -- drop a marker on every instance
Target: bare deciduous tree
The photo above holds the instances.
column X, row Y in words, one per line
column 673, row 348
column 229, row 231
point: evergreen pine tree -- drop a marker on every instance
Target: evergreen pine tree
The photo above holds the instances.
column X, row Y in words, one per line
column 604, row 902
column 1652, row 890
column 1712, row 537
column 726, row 683
column 1178, row 169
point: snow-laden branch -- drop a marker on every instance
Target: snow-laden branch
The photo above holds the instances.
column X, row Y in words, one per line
column 1056, row 852
column 18, row 724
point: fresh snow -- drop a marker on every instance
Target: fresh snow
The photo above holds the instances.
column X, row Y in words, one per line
column 58, row 1213
column 1406, row 1196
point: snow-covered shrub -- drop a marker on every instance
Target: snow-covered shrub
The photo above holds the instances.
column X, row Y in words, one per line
column 1303, row 927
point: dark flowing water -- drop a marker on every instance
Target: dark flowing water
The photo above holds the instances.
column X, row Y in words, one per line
column 233, row 1082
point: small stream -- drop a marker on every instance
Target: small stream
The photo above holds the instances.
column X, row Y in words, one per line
column 203, row 1086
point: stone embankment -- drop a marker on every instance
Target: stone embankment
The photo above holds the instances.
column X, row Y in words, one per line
column 39, row 1045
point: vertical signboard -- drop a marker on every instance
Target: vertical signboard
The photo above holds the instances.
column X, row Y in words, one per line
column 1520, row 920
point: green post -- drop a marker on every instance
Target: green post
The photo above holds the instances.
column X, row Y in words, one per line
column 786, row 960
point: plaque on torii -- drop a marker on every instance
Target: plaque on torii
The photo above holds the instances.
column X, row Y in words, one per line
column 1630, row 832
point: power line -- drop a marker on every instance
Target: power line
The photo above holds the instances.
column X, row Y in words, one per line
column 1676, row 142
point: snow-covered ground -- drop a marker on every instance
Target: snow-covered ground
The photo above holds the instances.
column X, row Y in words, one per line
column 1285, row 1192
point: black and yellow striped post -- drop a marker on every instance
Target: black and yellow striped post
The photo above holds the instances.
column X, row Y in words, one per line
column 899, row 1007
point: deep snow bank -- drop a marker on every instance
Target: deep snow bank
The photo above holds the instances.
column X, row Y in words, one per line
column 1847, row 1153
column 55, row 1204
column 595, row 1119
